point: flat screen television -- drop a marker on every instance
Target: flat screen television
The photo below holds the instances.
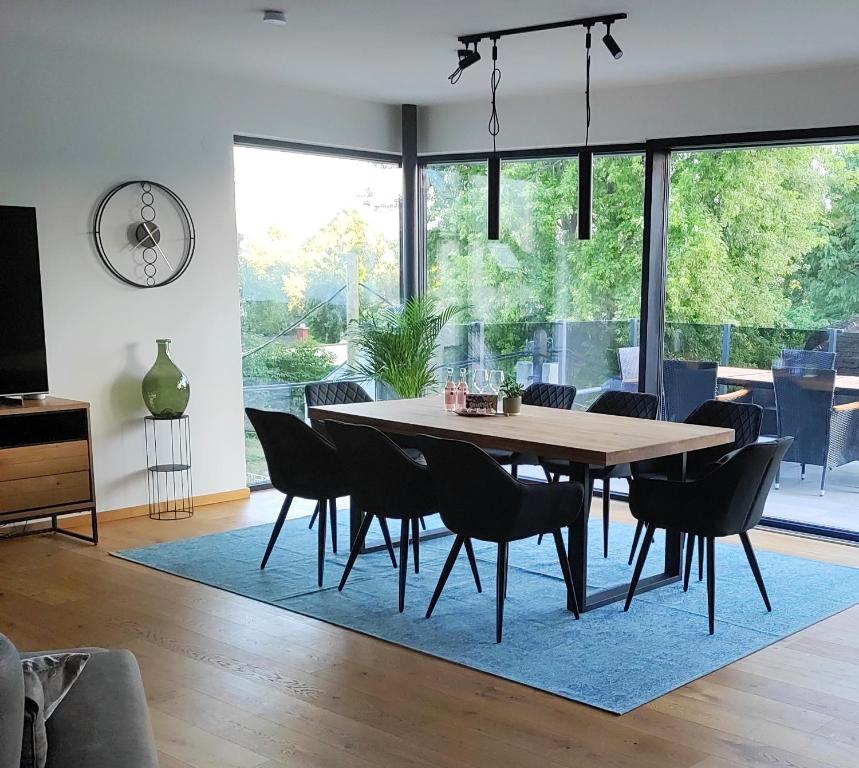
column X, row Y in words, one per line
column 23, row 363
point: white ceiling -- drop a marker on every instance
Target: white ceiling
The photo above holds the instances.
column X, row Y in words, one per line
column 402, row 50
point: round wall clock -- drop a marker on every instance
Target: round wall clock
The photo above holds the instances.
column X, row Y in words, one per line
column 144, row 234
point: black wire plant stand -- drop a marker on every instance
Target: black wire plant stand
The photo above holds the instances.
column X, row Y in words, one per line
column 168, row 465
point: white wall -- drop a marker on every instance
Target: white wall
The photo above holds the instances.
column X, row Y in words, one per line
column 804, row 99
column 72, row 125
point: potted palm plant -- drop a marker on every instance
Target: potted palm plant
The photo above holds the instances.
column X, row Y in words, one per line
column 398, row 345
column 511, row 391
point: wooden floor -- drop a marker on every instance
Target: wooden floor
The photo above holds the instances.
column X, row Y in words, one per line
column 236, row 683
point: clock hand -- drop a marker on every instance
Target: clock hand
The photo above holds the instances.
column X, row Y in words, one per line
column 152, row 238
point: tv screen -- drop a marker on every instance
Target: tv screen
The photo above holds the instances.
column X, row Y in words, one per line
column 23, row 365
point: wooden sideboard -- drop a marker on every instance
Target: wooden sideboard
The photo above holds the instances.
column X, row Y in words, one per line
column 46, row 464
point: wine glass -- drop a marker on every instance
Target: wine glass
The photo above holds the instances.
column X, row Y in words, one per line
column 496, row 378
column 481, row 380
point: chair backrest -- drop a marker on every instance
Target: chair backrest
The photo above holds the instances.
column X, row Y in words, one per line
column 687, row 384
column 382, row 478
column 476, row 497
column 549, row 395
column 736, row 491
column 300, row 461
column 803, row 402
column 744, row 418
column 638, row 405
column 11, row 704
column 806, row 358
column 333, row 393
column 627, row 360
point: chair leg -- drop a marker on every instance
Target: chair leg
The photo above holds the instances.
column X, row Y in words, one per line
column 423, row 524
column 514, row 469
column 416, row 544
column 606, row 499
column 445, row 571
column 332, row 513
column 700, row 558
column 547, row 473
column 500, row 589
column 756, row 569
column 472, row 561
column 287, row 502
column 386, row 535
column 711, row 582
column 356, row 549
column 690, row 553
column 823, row 480
column 539, row 539
column 313, row 518
column 404, row 564
column 638, row 529
column 649, row 531
column 320, row 548
column 778, row 477
column 565, row 569
column 506, row 559
column 802, row 471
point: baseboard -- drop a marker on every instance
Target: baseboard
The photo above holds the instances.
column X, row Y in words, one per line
column 141, row 510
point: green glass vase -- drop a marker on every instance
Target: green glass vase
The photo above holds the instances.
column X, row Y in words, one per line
column 166, row 389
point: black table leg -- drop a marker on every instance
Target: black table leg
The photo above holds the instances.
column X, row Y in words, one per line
column 673, row 537
column 577, row 540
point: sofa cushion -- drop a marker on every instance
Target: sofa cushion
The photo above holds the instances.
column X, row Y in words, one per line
column 104, row 720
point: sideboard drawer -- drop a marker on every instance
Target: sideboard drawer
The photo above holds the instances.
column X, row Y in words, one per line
column 45, row 459
column 47, row 491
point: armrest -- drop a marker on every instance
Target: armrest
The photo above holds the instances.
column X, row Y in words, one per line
column 854, row 406
column 738, row 394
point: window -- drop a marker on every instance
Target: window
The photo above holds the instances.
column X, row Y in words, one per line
column 542, row 305
column 763, row 256
column 318, row 243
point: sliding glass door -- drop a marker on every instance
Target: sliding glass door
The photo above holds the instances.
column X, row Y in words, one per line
column 763, row 258
column 319, row 243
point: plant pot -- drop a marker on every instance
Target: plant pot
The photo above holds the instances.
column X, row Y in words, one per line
column 165, row 388
column 511, row 406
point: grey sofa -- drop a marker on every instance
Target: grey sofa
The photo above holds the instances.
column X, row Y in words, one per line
column 103, row 720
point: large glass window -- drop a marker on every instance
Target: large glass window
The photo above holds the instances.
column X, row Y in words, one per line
column 763, row 258
column 541, row 305
column 319, row 242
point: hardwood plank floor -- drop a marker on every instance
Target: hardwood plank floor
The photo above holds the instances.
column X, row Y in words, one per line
column 237, row 684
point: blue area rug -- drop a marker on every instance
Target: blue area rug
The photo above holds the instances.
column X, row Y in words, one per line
column 609, row 659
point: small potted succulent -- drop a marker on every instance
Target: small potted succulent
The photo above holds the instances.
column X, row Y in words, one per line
column 511, row 391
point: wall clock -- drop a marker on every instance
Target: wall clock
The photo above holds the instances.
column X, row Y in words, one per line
column 144, row 234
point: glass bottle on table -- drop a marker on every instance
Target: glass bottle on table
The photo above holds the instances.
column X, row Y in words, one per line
column 461, row 388
column 450, row 392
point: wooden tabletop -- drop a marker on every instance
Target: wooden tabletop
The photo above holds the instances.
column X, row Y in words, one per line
column 761, row 377
column 573, row 435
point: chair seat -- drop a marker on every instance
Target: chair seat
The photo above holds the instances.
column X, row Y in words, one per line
column 560, row 467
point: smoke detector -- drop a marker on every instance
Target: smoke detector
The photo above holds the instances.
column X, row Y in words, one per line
column 275, row 18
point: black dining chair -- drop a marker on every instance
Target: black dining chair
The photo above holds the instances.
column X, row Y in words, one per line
column 636, row 405
column 825, row 435
column 725, row 500
column 301, row 463
column 342, row 392
column 347, row 392
column 744, row 418
column 477, row 499
column 685, row 385
column 386, row 484
column 545, row 396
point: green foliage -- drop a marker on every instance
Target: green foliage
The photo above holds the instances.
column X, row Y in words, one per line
column 512, row 388
column 306, row 361
column 399, row 345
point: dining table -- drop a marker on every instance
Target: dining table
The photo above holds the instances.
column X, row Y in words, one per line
column 587, row 440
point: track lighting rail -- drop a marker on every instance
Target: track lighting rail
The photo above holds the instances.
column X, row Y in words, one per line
column 588, row 21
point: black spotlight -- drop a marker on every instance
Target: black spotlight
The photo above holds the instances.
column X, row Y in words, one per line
column 466, row 57
column 613, row 48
